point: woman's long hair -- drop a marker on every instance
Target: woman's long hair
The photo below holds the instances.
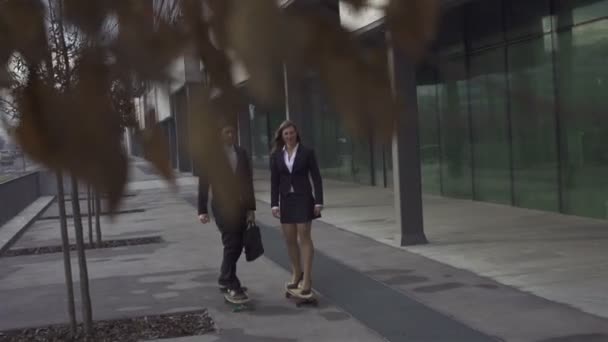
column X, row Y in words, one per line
column 278, row 136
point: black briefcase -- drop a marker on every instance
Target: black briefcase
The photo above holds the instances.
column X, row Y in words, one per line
column 253, row 242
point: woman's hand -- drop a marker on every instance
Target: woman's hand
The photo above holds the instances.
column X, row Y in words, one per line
column 276, row 212
column 318, row 209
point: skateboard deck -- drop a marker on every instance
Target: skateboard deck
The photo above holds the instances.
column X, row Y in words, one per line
column 300, row 301
column 238, row 306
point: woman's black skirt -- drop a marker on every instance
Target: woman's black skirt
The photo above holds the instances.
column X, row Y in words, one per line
column 297, row 208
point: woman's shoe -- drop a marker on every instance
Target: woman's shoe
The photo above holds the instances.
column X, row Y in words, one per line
column 295, row 285
column 305, row 293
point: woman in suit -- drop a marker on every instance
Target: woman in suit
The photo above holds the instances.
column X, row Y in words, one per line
column 292, row 165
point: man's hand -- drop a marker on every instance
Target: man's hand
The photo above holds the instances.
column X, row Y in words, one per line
column 204, row 218
column 251, row 216
column 276, row 212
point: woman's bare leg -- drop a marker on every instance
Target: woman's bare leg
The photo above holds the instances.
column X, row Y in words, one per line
column 290, row 233
column 308, row 250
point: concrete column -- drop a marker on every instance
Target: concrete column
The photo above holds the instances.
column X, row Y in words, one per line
column 406, row 152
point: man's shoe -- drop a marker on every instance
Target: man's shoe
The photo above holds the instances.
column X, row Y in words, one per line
column 236, row 296
column 224, row 289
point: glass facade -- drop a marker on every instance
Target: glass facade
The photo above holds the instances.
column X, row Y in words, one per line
column 264, row 123
column 511, row 105
column 582, row 77
column 340, row 155
column 511, row 110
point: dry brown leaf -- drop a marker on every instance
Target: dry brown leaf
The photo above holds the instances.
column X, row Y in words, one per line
column 146, row 46
column 39, row 129
column 75, row 130
column 5, row 76
column 356, row 80
column 413, row 25
column 6, row 46
column 342, row 83
column 254, row 32
column 23, row 22
column 79, row 130
column 300, row 50
column 217, row 13
column 87, row 15
column 93, row 125
column 357, row 4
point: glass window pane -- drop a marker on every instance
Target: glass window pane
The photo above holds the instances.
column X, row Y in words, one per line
column 533, row 122
column 362, row 162
column 333, row 145
column 488, row 92
column 454, row 128
column 574, row 12
column 451, row 32
column 583, row 85
column 260, row 137
column 484, row 23
column 337, row 136
column 526, row 17
column 379, row 164
column 428, row 122
column 388, row 160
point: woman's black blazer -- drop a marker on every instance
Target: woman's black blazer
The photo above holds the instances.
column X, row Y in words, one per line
column 304, row 166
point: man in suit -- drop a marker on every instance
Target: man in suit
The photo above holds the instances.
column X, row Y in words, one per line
column 233, row 206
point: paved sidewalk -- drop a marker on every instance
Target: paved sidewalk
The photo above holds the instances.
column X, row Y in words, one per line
column 178, row 274
column 370, row 291
column 558, row 257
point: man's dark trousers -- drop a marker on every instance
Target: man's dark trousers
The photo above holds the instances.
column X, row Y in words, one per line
column 233, row 241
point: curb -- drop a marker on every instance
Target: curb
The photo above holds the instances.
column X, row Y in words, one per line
column 6, row 244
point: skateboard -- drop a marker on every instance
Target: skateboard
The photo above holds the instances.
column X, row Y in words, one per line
column 300, row 301
column 238, row 306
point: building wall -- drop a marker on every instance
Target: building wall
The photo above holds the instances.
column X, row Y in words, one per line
column 340, row 154
column 512, row 105
column 263, row 123
column 511, row 110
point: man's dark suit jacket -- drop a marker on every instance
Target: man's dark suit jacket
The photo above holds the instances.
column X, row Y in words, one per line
column 282, row 180
column 233, row 190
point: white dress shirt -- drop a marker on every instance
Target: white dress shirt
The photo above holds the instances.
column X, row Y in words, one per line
column 232, row 158
column 290, row 160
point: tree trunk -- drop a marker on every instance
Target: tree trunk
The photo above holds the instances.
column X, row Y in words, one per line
column 90, row 215
column 67, row 260
column 87, row 312
column 97, row 218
